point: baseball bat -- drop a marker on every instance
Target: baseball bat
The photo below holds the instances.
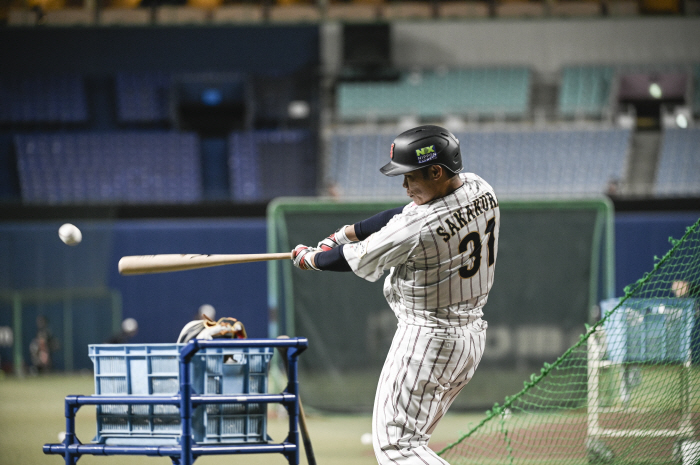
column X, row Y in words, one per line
column 166, row 263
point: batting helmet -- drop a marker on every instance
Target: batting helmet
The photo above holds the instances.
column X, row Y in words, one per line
column 423, row 146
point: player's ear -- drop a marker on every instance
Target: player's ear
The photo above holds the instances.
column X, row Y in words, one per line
column 436, row 172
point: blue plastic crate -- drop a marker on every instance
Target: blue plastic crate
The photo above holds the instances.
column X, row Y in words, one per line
column 649, row 330
column 153, row 369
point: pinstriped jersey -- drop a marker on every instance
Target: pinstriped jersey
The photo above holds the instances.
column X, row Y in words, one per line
column 440, row 256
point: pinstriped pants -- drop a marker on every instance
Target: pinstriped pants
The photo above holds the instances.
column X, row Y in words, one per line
column 423, row 373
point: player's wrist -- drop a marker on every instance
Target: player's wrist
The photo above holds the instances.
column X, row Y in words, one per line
column 310, row 260
column 342, row 237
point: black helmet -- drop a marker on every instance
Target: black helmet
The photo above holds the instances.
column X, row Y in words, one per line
column 423, row 146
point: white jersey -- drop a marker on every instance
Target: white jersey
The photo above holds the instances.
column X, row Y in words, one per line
column 440, row 256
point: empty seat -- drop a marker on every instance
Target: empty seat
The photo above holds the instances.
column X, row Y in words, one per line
column 488, row 92
column 266, row 164
column 696, row 90
column 678, row 174
column 518, row 163
column 43, row 99
column 142, row 97
column 123, row 167
column 585, row 90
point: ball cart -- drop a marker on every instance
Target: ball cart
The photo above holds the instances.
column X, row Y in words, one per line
column 183, row 401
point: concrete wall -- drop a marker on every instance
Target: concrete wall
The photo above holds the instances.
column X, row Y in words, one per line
column 545, row 44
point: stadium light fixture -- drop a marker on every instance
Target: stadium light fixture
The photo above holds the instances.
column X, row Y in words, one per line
column 655, row 90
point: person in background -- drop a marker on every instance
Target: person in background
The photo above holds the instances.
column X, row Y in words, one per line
column 128, row 330
column 41, row 347
column 686, row 289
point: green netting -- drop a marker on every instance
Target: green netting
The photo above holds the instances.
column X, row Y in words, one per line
column 627, row 392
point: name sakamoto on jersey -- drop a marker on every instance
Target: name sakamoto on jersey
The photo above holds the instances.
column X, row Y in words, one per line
column 440, row 255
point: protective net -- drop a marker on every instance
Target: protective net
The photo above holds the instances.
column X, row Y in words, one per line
column 628, row 392
column 569, row 268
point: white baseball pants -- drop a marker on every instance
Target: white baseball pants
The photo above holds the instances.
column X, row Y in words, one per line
column 423, row 373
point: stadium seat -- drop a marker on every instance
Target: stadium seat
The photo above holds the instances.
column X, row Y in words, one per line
column 179, row 15
column 696, row 93
column 352, row 12
column 70, row 17
column 574, row 8
column 585, row 90
column 562, row 163
column 679, row 163
column 42, row 99
column 142, row 97
column 453, row 9
column 124, row 17
column 21, row 17
column 487, row 92
column 112, row 167
column 242, row 13
column 520, row 9
column 294, row 13
column 407, row 10
column 265, row 164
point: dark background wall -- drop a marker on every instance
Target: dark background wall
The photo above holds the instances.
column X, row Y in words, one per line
column 259, row 49
column 640, row 236
column 32, row 257
column 35, row 261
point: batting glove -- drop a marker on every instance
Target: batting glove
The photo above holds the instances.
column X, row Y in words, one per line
column 300, row 257
column 334, row 240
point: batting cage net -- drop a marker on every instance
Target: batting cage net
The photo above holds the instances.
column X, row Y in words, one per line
column 555, row 263
column 628, row 392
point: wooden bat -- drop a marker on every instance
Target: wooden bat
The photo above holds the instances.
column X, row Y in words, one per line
column 166, row 263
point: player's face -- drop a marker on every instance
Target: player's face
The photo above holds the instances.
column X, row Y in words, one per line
column 418, row 188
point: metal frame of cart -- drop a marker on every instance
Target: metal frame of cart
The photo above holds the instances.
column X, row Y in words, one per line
column 188, row 451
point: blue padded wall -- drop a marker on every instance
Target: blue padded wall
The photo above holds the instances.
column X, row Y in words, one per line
column 33, row 258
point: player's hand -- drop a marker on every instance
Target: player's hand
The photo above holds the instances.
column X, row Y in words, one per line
column 328, row 243
column 334, row 240
column 301, row 257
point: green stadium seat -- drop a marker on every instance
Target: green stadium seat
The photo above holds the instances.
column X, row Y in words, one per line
column 485, row 92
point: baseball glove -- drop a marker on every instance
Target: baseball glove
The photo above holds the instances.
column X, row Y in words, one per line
column 209, row 329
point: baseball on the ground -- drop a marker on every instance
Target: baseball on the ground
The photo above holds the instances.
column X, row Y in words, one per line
column 70, row 234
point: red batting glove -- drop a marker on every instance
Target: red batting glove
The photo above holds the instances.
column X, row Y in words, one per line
column 334, row 240
column 301, row 257
column 328, row 243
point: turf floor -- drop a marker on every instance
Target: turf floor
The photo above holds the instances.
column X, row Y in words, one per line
column 31, row 414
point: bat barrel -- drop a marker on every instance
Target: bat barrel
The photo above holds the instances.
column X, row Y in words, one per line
column 165, row 263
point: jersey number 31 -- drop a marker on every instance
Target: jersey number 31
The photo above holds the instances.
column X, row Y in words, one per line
column 474, row 238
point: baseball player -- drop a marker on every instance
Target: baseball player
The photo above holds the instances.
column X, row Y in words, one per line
column 440, row 252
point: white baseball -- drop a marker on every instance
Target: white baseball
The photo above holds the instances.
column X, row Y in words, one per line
column 70, row 234
column 366, row 439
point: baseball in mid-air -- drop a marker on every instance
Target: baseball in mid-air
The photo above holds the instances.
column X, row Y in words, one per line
column 70, row 234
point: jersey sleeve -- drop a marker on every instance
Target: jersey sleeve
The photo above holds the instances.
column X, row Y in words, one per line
column 366, row 228
column 390, row 246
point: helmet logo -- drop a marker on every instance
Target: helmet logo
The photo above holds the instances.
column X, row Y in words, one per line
column 391, row 153
column 426, row 154
column 425, row 150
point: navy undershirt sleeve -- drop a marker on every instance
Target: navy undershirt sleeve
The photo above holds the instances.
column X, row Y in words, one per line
column 371, row 225
column 332, row 260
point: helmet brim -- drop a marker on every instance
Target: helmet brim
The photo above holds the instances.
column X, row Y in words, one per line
column 394, row 169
